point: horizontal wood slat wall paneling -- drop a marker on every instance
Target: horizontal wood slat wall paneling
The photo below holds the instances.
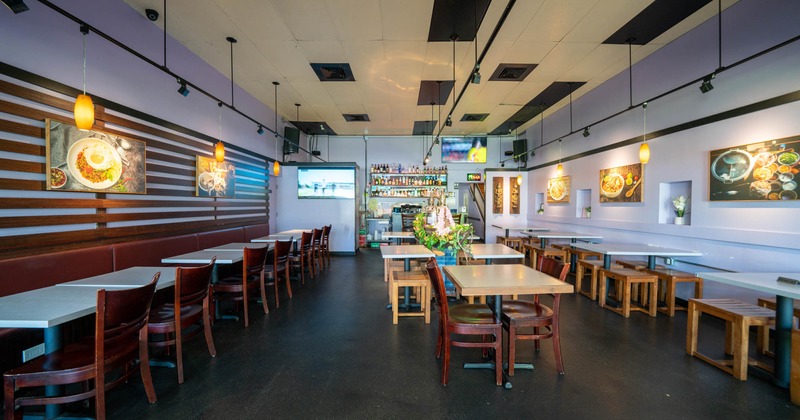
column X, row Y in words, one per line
column 54, row 221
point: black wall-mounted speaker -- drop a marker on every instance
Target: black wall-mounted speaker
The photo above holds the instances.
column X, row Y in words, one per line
column 520, row 149
column 292, row 134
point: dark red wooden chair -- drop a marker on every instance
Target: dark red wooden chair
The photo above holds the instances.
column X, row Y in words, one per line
column 325, row 246
column 303, row 257
column 278, row 271
column 237, row 288
column 316, row 245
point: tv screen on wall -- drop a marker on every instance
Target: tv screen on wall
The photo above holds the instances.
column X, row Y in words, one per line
column 464, row 149
column 326, row 183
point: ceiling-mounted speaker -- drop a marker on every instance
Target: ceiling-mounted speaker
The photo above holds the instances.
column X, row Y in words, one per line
column 292, row 143
column 520, row 150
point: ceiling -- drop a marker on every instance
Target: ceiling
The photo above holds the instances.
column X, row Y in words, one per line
column 395, row 66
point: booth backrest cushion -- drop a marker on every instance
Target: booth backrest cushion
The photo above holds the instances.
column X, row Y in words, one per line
column 207, row 240
column 27, row 273
column 255, row 231
column 150, row 252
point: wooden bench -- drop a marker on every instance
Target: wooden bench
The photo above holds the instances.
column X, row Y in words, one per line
column 536, row 250
column 670, row 278
column 590, row 267
column 513, row 242
column 636, row 265
column 739, row 317
column 416, row 279
column 627, row 277
column 763, row 333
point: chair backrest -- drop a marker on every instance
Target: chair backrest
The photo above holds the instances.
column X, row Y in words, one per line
column 326, row 233
column 552, row 267
column 281, row 253
column 306, row 240
column 438, row 288
column 191, row 284
column 317, row 238
column 254, row 261
column 408, row 222
column 120, row 317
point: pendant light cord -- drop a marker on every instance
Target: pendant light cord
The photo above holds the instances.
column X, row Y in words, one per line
column 84, row 30
column 644, row 134
column 276, row 119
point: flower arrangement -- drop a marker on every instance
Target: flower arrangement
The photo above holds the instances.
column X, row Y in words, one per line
column 436, row 229
column 679, row 203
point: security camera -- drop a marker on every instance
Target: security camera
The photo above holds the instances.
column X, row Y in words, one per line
column 151, row 14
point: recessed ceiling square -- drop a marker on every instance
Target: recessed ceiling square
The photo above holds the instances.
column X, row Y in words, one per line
column 474, row 117
column 333, row 72
column 356, row 117
column 512, row 72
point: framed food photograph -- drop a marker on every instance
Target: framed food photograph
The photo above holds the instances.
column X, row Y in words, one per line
column 763, row 171
column 215, row 179
column 622, row 184
column 93, row 161
column 497, row 195
column 558, row 190
column 514, row 196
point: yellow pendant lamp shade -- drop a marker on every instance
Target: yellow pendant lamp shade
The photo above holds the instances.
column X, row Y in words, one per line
column 644, row 153
column 276, row 168
column 84, row 112
column 519, row 179
column 219, row 151
column 559, row 170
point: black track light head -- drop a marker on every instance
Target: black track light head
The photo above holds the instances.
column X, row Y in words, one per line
column 449, row 121
column 16, row 6
column 586, row 132
column 476, row 77
column 183, row 90
column 706, row 86
column 502, row 164
column 260, row 130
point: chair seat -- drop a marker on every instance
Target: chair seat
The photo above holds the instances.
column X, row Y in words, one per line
column 472, row 314
column 522, row 310
column 77, row 357
column 164, row 315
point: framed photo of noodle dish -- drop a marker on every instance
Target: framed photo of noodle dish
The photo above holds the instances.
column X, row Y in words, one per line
column 558, row 190
column 215, row 179
column 93, row 161
column 622, row 184
column 768, row 170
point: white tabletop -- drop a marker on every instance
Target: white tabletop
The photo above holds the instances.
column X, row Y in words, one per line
column 562, row 235
column 293, row 232
column 504, row 279
column 204, row 257
column 129, row 277
column 405, row 251
column 239, row 246
column 481, row 251
column 637, row 249
column 518, row 227
column 47, row 307
column 274, row 238
column 394, row 235
column 762, row 282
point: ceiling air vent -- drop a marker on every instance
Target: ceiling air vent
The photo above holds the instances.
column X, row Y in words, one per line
column 333, row 72
column 474, row 117
column 512, row 72
column 356, row 117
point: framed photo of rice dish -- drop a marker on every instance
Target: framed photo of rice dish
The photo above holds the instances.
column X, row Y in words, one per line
column 215, row 179
column 558, row 190
column 93, row 161
column 622, row 184
column 767, row 170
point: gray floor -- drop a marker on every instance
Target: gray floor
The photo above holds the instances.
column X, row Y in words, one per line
column 332, row 352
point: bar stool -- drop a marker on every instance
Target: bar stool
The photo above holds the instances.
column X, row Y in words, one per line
column 628, row 277
column 670, row 278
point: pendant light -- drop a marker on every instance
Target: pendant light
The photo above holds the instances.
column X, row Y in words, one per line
column 219, row 149
column 276, row 166
column 560, row 167
column 84, row 108
column 644, row 149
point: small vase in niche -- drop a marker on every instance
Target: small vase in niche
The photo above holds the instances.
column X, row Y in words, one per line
column 679, row 220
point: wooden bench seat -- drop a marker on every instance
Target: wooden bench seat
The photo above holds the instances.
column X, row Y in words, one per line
column 670, row 278
column 590, row 268
column 626, row 278
column 763, row 333
column 417, row 279
column 739, row 317
column 535, row 250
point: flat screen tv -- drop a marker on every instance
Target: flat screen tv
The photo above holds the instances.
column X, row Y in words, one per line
column 464, row 149
column 326, row 182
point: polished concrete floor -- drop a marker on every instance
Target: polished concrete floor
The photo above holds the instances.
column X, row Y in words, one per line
column 332, row 352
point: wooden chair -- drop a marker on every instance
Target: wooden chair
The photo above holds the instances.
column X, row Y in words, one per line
column 189, row 308
column 316, row 248
column 119, row 343
column 238, row 288
column 325, row 244
column 627, row 278
column 407, row 222
column 519, row 314
column 464, row 319
column 279, row 270
column 739, row 317
column 670, row 278
column 303, row 257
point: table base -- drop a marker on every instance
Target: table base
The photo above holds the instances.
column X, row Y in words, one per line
column 491, row 366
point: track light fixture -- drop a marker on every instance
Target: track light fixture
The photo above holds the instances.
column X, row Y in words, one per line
column 183, row 90
column 476, row 77
column 449, row 121
column 706, row 85
column 586, row 132
column 16, row 6
column 260, row 130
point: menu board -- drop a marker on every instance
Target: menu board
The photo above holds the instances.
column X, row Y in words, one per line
column 765, row 170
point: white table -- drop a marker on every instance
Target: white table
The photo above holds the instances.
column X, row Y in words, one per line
column 650, row 251
column 489, row 252
column 204, row 257
column 240, row 246
column 398, row 236
column 274, row 238
column 508, row 228
column 406, row 253
column 499, row 280
column 572, row 236
column 127, row 278
column 785, row 294
column 293, row 232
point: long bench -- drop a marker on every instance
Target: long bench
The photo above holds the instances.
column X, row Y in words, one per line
column 38, row 271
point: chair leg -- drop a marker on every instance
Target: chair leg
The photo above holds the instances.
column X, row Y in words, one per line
column 179, row 350
column 512, row 347
column 557, row 347
column 144, row 367
column 207, row 327
column 446, row 361
column 536, row 342
column 498, row 358
column 288, row 283
column 246, row 307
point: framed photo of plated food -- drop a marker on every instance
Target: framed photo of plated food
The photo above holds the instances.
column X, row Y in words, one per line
column 766, row 170
column 558, row 190
column 215, row 179
column 93, row 161
column 622, row 184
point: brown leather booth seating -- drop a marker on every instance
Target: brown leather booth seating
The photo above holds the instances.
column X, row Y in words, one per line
column 38, row 271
